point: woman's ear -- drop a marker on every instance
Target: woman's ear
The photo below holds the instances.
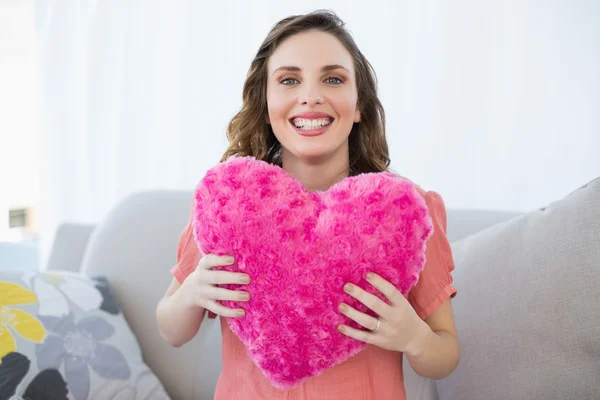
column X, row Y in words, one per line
column 357, row 115
column 267, row 120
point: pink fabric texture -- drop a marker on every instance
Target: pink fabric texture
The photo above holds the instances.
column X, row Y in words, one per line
column 299, row 249
column 374, row 373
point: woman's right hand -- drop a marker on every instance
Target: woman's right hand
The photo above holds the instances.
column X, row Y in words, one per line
column 199, row 288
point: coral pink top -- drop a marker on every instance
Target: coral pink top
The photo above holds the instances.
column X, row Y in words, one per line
column 374, row 373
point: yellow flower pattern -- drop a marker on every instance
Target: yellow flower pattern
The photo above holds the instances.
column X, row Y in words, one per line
column 12, row 294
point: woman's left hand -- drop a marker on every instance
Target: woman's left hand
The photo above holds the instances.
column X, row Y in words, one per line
column 399, row 327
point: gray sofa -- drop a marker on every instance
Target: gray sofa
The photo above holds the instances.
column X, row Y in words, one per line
column 135, row 246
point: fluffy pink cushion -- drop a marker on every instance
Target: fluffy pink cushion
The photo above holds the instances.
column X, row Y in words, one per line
column 299, row 249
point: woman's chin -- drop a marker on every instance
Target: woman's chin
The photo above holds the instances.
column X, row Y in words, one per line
column 314, row 154
column 316, row 151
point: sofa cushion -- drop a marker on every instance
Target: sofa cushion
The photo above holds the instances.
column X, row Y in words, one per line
column 62, row 335
column 528, row 314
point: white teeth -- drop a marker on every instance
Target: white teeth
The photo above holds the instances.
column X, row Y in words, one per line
column 308, row 124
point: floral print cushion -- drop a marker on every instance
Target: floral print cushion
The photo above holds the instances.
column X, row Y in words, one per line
column 63, row 336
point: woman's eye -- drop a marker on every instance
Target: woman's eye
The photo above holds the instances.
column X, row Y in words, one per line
column 284, row 80
column 334, row 79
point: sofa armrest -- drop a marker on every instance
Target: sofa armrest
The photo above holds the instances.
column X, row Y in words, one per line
column 69, row 246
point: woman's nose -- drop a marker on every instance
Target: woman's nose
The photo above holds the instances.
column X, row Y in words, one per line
column 311, row 98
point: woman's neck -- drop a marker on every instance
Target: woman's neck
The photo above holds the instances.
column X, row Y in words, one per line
column 317, row 176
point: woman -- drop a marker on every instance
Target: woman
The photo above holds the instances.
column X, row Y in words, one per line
column 310, row 106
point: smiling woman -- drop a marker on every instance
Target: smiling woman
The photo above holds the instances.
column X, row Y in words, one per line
column 311, row 113
column 307, row 72
column 318, row 91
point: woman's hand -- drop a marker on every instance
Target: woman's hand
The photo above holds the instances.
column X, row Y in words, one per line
column 398, row 328
column 199, row 290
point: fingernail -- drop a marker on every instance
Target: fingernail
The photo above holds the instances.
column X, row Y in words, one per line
column 370, row 276
column 229, row 259
column 343, row 308
column 340, row 328
column 245, row 279
column 241, row 313
column 348, row 288
column 245, row 296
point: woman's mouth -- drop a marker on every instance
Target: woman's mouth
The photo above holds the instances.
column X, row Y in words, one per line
column 311, row 127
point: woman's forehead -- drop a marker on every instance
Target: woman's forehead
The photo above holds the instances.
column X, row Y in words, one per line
column 310, row 51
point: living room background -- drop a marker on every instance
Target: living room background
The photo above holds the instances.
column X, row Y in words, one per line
column 492, row 104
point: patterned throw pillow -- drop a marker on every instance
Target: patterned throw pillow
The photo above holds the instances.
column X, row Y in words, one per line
column 63, row 336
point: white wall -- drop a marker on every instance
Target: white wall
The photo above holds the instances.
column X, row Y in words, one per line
column 498, row 101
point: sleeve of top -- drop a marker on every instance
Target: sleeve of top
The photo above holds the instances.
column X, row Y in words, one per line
column 435, row 282
column 188, row 254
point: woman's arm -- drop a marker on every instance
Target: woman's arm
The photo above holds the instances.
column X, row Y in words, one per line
column 438, row 352
column 178, row 321
column 181, row 310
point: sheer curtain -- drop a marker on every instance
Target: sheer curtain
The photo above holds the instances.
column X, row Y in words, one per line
column 492, row 104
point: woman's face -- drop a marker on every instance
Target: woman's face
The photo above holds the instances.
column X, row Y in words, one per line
column 312, row 97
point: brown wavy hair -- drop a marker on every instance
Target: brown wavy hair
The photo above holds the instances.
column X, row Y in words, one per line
column 250, row 135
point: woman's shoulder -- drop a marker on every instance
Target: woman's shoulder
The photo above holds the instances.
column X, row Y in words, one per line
column 432, row 198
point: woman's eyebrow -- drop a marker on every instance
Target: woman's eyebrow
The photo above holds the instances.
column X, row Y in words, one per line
column 326, row 68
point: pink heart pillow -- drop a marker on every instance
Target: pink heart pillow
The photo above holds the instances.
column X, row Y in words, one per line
column 299, row 249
